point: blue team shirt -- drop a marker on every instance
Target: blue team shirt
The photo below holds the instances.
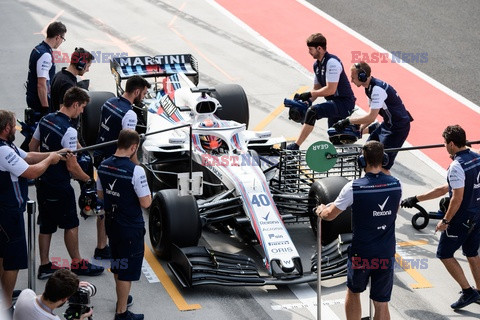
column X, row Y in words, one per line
column 32, row 78
column 470, row 164
column 374, row 200
column 113, row 111
column 393, row 111
column 344, row 90
column 117, row 180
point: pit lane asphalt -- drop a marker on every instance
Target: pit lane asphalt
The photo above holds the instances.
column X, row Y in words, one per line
column 226, row 53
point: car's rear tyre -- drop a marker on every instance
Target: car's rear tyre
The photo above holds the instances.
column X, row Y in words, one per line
column 91, row 115
column 234, row 103
column 173, row 220
column 326, row 191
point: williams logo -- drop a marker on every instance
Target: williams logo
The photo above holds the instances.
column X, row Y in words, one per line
column 477, row 185
column 110, row 191
column 382, row 212
column 112, row 185
column 266, row 217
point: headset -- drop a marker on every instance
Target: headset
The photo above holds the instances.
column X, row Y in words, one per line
column 363, row 164
column 79, row 55
column 362, row 75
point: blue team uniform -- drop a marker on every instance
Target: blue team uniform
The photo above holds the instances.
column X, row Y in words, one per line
column 124, row 220
column 32, row 80
column 464, row 228
column 113, row 112
column 394, row 129
column 55, row 195
column 375, row 202
column 13, row 197
column 339, row 105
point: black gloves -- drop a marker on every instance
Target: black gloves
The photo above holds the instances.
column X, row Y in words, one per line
column 409, row 202
column 90, row 185
column 305, row 96
column 340, row 125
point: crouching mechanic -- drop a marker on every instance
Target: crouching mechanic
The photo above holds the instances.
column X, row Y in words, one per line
column 330, row 82
column 375, row 200
column 56, row 198
column 59, row 288
column 383, row 99
column 123, row 186
column 461, row 224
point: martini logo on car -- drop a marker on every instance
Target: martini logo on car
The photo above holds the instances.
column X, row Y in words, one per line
column 152, row 61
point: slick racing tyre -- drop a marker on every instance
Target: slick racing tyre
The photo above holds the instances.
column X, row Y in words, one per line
column 173, row 220
column 325, row 191
column 234, row 103
column 91, row 116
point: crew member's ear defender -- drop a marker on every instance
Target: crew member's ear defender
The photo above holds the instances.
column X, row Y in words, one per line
column 362, row 75
column 362, row 163
column 79, row 56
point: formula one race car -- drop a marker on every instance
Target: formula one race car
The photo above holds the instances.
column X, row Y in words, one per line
column 208, row 170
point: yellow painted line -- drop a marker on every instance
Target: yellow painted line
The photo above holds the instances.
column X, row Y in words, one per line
column 167, row 283
column 412, row 243
column 421, row 282
column 275, row 113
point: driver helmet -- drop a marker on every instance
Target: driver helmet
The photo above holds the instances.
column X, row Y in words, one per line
column 209, row 123
column 210, row 143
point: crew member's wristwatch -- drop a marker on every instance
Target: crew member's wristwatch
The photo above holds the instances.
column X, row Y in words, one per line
column 445, row 221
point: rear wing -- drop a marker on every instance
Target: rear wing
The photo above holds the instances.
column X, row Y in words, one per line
column 153, row 67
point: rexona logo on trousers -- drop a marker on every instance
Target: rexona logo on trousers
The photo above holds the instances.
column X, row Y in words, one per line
column 382, row 212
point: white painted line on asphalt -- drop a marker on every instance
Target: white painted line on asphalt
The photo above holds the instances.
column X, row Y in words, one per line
column 269, row 45
column 407, row 66
column 308, row 298
column 148, row 272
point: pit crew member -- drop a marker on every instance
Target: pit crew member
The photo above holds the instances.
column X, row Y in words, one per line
column 383, row 99
column 16, row 166
column 461, row 224
column 375, row 200
column 330, row 82
column 117, row 114
column 123, row 186
column 56, row 197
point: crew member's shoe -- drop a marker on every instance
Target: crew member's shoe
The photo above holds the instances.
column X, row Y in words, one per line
column 129, row 301
column 128, row 315
column 293, row 146
column 466, row 298
column 45, row 271
column 103, row 254
column 85, row 268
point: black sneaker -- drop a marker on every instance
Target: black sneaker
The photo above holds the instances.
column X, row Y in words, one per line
column 104, row 253
column 45, row 271
column 129, row 301
column 85, row 268
column 293, row 146
column 465, row 299
column 128, row 315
